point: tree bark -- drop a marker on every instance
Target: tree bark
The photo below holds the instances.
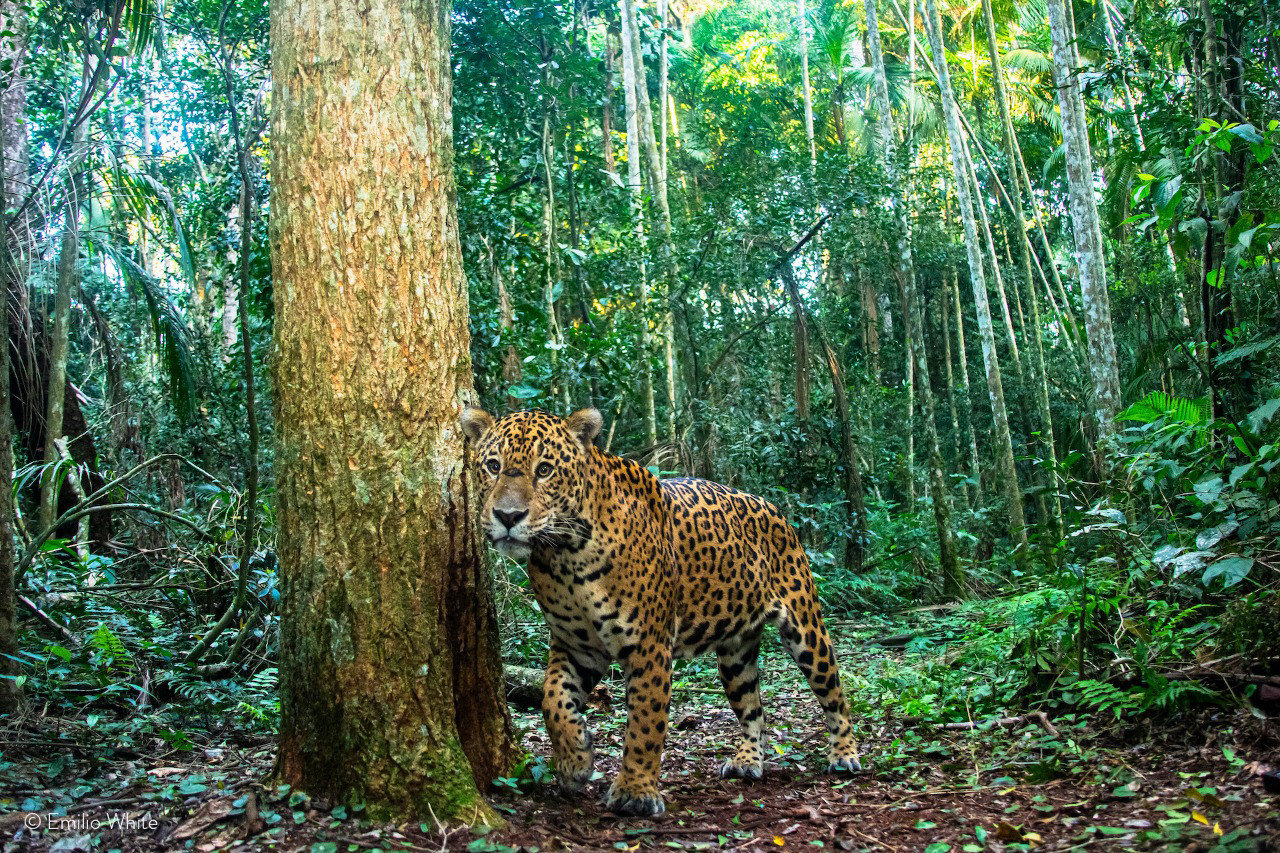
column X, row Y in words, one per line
column 391, row 685
column 1086, row 224
column 1007, row 473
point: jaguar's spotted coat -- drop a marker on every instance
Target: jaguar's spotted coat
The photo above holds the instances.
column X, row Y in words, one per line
column 631, row 569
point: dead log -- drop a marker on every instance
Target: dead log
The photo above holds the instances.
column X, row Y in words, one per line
column 524, row 689
column 524, row 686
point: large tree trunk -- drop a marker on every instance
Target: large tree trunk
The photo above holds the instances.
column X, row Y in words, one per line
column 1086, row 225
column 1007, row 474
column 391, row 685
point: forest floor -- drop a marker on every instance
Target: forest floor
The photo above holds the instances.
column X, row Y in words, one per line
column 1192, row 783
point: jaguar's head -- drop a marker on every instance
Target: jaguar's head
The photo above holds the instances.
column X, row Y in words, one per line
column 532, row 469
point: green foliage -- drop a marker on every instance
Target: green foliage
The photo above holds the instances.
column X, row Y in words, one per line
column 1167, row 555
column 1158, row 404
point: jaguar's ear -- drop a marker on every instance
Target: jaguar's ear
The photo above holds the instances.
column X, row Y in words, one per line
column 475, row 422
column 585, row 424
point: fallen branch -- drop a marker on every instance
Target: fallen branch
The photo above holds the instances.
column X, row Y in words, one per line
column 1202, row 674
column 48, row 621
column 1038, row 717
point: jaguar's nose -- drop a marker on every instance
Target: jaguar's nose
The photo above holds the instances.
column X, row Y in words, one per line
column 510, row 518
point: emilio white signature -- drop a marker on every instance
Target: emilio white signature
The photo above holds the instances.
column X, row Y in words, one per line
column 128, row 821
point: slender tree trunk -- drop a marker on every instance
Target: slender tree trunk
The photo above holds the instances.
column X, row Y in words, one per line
column 1007, row 473
column 855, row 506
column 807, row 89
column 1086, row 224
column 664, row 94
column 606, row 108
column 550, row 246
column 391, row 684
column 913, row 316
column 667, row 126
column 800, row 343
column 657, row 170
column 966, row 395
column 10, row 669
column 635, row 182
column 13, row 173
column 644, row 111
column 511, row 369
column 989, row 241
column 909, row 409
column 958, row 448
column 67, row 281
column 1039, row 368
column 871, row 322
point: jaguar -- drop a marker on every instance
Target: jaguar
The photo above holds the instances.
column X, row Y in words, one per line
column 629, row 568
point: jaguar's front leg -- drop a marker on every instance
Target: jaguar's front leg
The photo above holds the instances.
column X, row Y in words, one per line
column 648, row 669
column 564, row 696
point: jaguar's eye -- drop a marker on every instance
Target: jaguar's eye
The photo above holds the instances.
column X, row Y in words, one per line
column 494, row 466
column 544, row 470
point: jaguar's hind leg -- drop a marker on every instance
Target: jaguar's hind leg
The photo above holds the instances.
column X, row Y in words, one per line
column 741, row 678
column 805, row 637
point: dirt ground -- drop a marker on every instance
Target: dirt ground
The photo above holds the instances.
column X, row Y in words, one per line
column 965, row 790
column 1189, row 784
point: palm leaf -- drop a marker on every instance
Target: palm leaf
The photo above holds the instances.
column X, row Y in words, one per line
column 148, row 197
column 138, row 22
column 1028, row 61
column 173, row 340
column 1157, row 405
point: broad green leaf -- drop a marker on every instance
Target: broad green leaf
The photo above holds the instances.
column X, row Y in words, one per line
column 1258, row 417
column 1231, row 569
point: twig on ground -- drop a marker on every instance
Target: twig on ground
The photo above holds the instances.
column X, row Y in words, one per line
column 1037, row 717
